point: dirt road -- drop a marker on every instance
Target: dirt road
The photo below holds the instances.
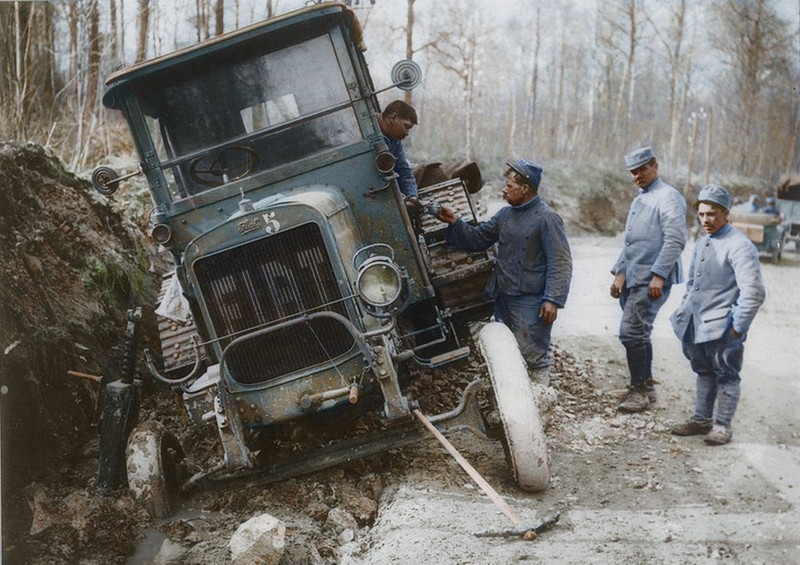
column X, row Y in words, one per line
column 627, row 490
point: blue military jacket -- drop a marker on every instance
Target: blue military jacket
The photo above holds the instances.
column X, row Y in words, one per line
column 724, row 289
column 405, row 175
column 533, row 255
column 655, row 235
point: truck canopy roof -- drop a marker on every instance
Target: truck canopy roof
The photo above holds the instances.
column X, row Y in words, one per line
column 789, row 187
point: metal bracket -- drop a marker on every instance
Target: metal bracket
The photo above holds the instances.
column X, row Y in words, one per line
column 396, row 405
column 372, row 192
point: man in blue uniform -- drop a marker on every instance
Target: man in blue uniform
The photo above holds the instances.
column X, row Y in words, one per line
column 396, row 122
column 532, row 274
column 647, row 267
column 724, row 291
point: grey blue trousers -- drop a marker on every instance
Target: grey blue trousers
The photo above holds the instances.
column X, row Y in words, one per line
column 638, row 315
column 717, row 365
column 521, row 315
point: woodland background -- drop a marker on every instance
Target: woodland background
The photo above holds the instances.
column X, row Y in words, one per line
column 712, row 85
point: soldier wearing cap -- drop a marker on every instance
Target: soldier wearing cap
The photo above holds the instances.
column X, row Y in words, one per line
column 724, row 291
column 532, row 274
column 647, row 267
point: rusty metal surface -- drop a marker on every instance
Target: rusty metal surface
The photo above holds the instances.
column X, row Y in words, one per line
column 460, row 276
column 177, row 347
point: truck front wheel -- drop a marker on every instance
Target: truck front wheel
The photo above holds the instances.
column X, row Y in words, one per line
column 516, row 404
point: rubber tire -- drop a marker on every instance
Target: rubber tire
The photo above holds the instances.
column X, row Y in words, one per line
column 522, row 426
column 153, row 462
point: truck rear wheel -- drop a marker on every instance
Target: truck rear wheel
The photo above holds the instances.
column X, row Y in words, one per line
column 516, row 403
column 153, row 461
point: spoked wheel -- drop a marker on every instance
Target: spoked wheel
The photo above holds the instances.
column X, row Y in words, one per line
column 521, row 422
column 154, row 459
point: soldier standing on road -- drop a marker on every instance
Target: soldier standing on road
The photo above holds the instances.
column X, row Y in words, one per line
column 723, row 294
column 532, row 274
column 648, row 266
column 396, row 121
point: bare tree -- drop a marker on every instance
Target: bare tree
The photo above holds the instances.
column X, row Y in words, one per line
column 73, row 43
column 407, row 31
column 559, row 116
column 457, row 48
column 122, row 27
column 628, row 86
column 409, row 97
column 93, row 62
column 27, row 89
column 672, row 38
column 144, row 30
column 619, row 33
column 114, row 44
column 533, row 89
column 219, row 17
column 203, row 19
column 755, row 44
column 528, row 87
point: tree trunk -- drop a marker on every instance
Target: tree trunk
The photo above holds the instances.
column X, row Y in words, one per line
column 112, row 6
column 408, row 96
column 73, row 45
column 219, row 17
column 144, row 31
column 675, row 54
column 530, row 132
column 791, row 156
column 627, row 86
column 561, row 113
column 93, row 61
column 122, row 31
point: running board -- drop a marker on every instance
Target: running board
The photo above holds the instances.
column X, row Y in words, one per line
column 442, row 359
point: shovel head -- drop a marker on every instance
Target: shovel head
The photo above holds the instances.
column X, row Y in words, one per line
column 120, row 412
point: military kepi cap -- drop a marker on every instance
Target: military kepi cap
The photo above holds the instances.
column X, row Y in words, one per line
column 716, row 194
column 527, row 169
column 640, row 157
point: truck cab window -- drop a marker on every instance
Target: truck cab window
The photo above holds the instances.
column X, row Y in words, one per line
column 270, row 108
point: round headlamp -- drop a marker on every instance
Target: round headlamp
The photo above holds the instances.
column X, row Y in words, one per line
column 380, row 283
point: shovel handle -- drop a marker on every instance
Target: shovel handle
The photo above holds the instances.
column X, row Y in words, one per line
column 471, row 471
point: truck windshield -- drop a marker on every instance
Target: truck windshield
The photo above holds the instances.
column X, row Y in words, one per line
column 228, row 119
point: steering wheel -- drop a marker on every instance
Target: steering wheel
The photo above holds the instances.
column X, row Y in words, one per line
column 218, row 168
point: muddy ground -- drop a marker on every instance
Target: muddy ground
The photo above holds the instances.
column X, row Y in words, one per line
column 627, row 491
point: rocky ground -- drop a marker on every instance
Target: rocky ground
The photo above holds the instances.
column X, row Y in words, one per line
column 627, row 491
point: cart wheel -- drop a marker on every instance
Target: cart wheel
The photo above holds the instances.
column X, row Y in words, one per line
column 153, row 459
column 522, row 427
column 776, row 254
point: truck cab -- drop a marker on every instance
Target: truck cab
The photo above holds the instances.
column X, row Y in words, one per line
column 309, row 283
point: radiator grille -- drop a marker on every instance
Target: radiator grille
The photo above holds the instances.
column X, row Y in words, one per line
column 268, row 280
